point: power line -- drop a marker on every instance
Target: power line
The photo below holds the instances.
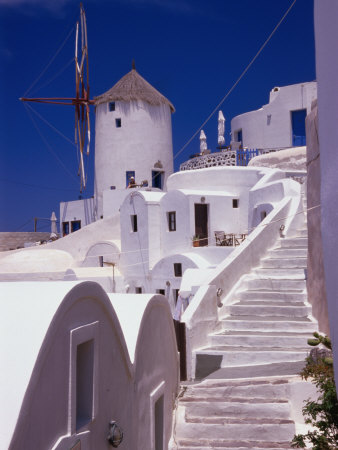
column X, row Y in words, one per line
column 237, row 81
column 48, row 146
column 36, row 186
column 50, row 62
column 50, row 125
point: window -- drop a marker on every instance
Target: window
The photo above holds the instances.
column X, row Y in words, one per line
column 129, row 174
column 235, row 203
column 178, row 269
column 111, row 106
column 159, row 423
column 239, row 136
column 75, row 225
column 156, row 178
column 101, row 261
column 138, row 290
column 84, row 383
column 157, row 430
column 172, row 220
column 65, row 228
column 175, row 294
column 160, row 291
column 118, row 123
column 134, row 222
column 263, row 215
column 298, row 127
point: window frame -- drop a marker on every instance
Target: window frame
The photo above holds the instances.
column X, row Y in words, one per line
column 79, row 336
column 171, row 220
column 118, row 122
column 178, row 269
column 133, row 218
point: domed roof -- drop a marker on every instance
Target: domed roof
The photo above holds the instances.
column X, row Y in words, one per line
column 133, row 87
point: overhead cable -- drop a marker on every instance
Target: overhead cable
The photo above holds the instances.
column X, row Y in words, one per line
column 237, row 81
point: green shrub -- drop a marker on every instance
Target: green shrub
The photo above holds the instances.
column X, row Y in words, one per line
column 321, row 414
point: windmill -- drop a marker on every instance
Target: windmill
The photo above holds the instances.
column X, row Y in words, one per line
column 81, row 101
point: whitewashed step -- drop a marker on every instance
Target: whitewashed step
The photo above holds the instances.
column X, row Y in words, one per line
column 279, row 273
column 250, row 323
column 250, row 431
column 292, row 242
column 210, row 407
column 284, row 263
column 224, row 444
column 230, row 389
column 290, row 296
column 240, row 356
column 256, row 338
column 269, row 310
column 288, row 253
column 274, row 284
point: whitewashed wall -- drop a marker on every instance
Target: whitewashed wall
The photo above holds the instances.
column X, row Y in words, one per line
column 141, row 249
column 326, row 35
column 145, row 137
column 270, row 126
column 135, row 355
column 83, row 210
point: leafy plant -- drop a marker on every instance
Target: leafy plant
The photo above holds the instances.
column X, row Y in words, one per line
column 322, row 413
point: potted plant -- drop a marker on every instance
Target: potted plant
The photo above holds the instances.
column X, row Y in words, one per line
column 196, row 240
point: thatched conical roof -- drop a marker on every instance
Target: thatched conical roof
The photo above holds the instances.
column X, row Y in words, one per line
column 133, row 87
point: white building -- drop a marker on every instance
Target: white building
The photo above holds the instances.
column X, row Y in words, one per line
column 280, row 123
column 133, row 138
column 326, row 34
column 74, row 359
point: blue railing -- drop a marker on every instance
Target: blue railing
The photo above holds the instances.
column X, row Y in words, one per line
column 243, row 156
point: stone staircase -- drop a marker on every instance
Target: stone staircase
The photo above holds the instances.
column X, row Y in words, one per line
column 243, row 401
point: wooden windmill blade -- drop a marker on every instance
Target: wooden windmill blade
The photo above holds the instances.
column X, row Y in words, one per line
column 81, row 100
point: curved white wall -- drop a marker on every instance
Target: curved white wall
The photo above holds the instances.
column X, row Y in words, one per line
column 144, row 138
column 270, row 126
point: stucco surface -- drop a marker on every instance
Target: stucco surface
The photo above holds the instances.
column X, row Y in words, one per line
column 271, row 126
column 37, row 382
column 326, row 34
column 289, row 159
column 316, row 278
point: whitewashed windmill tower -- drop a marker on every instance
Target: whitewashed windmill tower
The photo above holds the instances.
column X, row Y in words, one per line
column 133, row 136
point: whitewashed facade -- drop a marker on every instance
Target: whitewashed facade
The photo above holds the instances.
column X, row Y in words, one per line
column 280, row 123
column 82, row 362
column 133, row 137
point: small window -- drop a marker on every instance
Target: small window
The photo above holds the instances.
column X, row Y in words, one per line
column 101, row 261
column 178, row 269
column 172, row 220
column 129, row 174
column 138, row 290
column 263, row 215
column 175, row 294
column 134, row 222
column 65, row 228
column 239, row 136
column 235, row 203
column 75, row 225
column 160, row 291
column 111, row 106
column 159, row 423
column 156, row 179
column 84, row 383
column 118, row 123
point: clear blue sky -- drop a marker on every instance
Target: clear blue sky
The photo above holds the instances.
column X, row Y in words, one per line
column 192, row 51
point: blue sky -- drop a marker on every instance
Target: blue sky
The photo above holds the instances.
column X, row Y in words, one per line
column 192, row 51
